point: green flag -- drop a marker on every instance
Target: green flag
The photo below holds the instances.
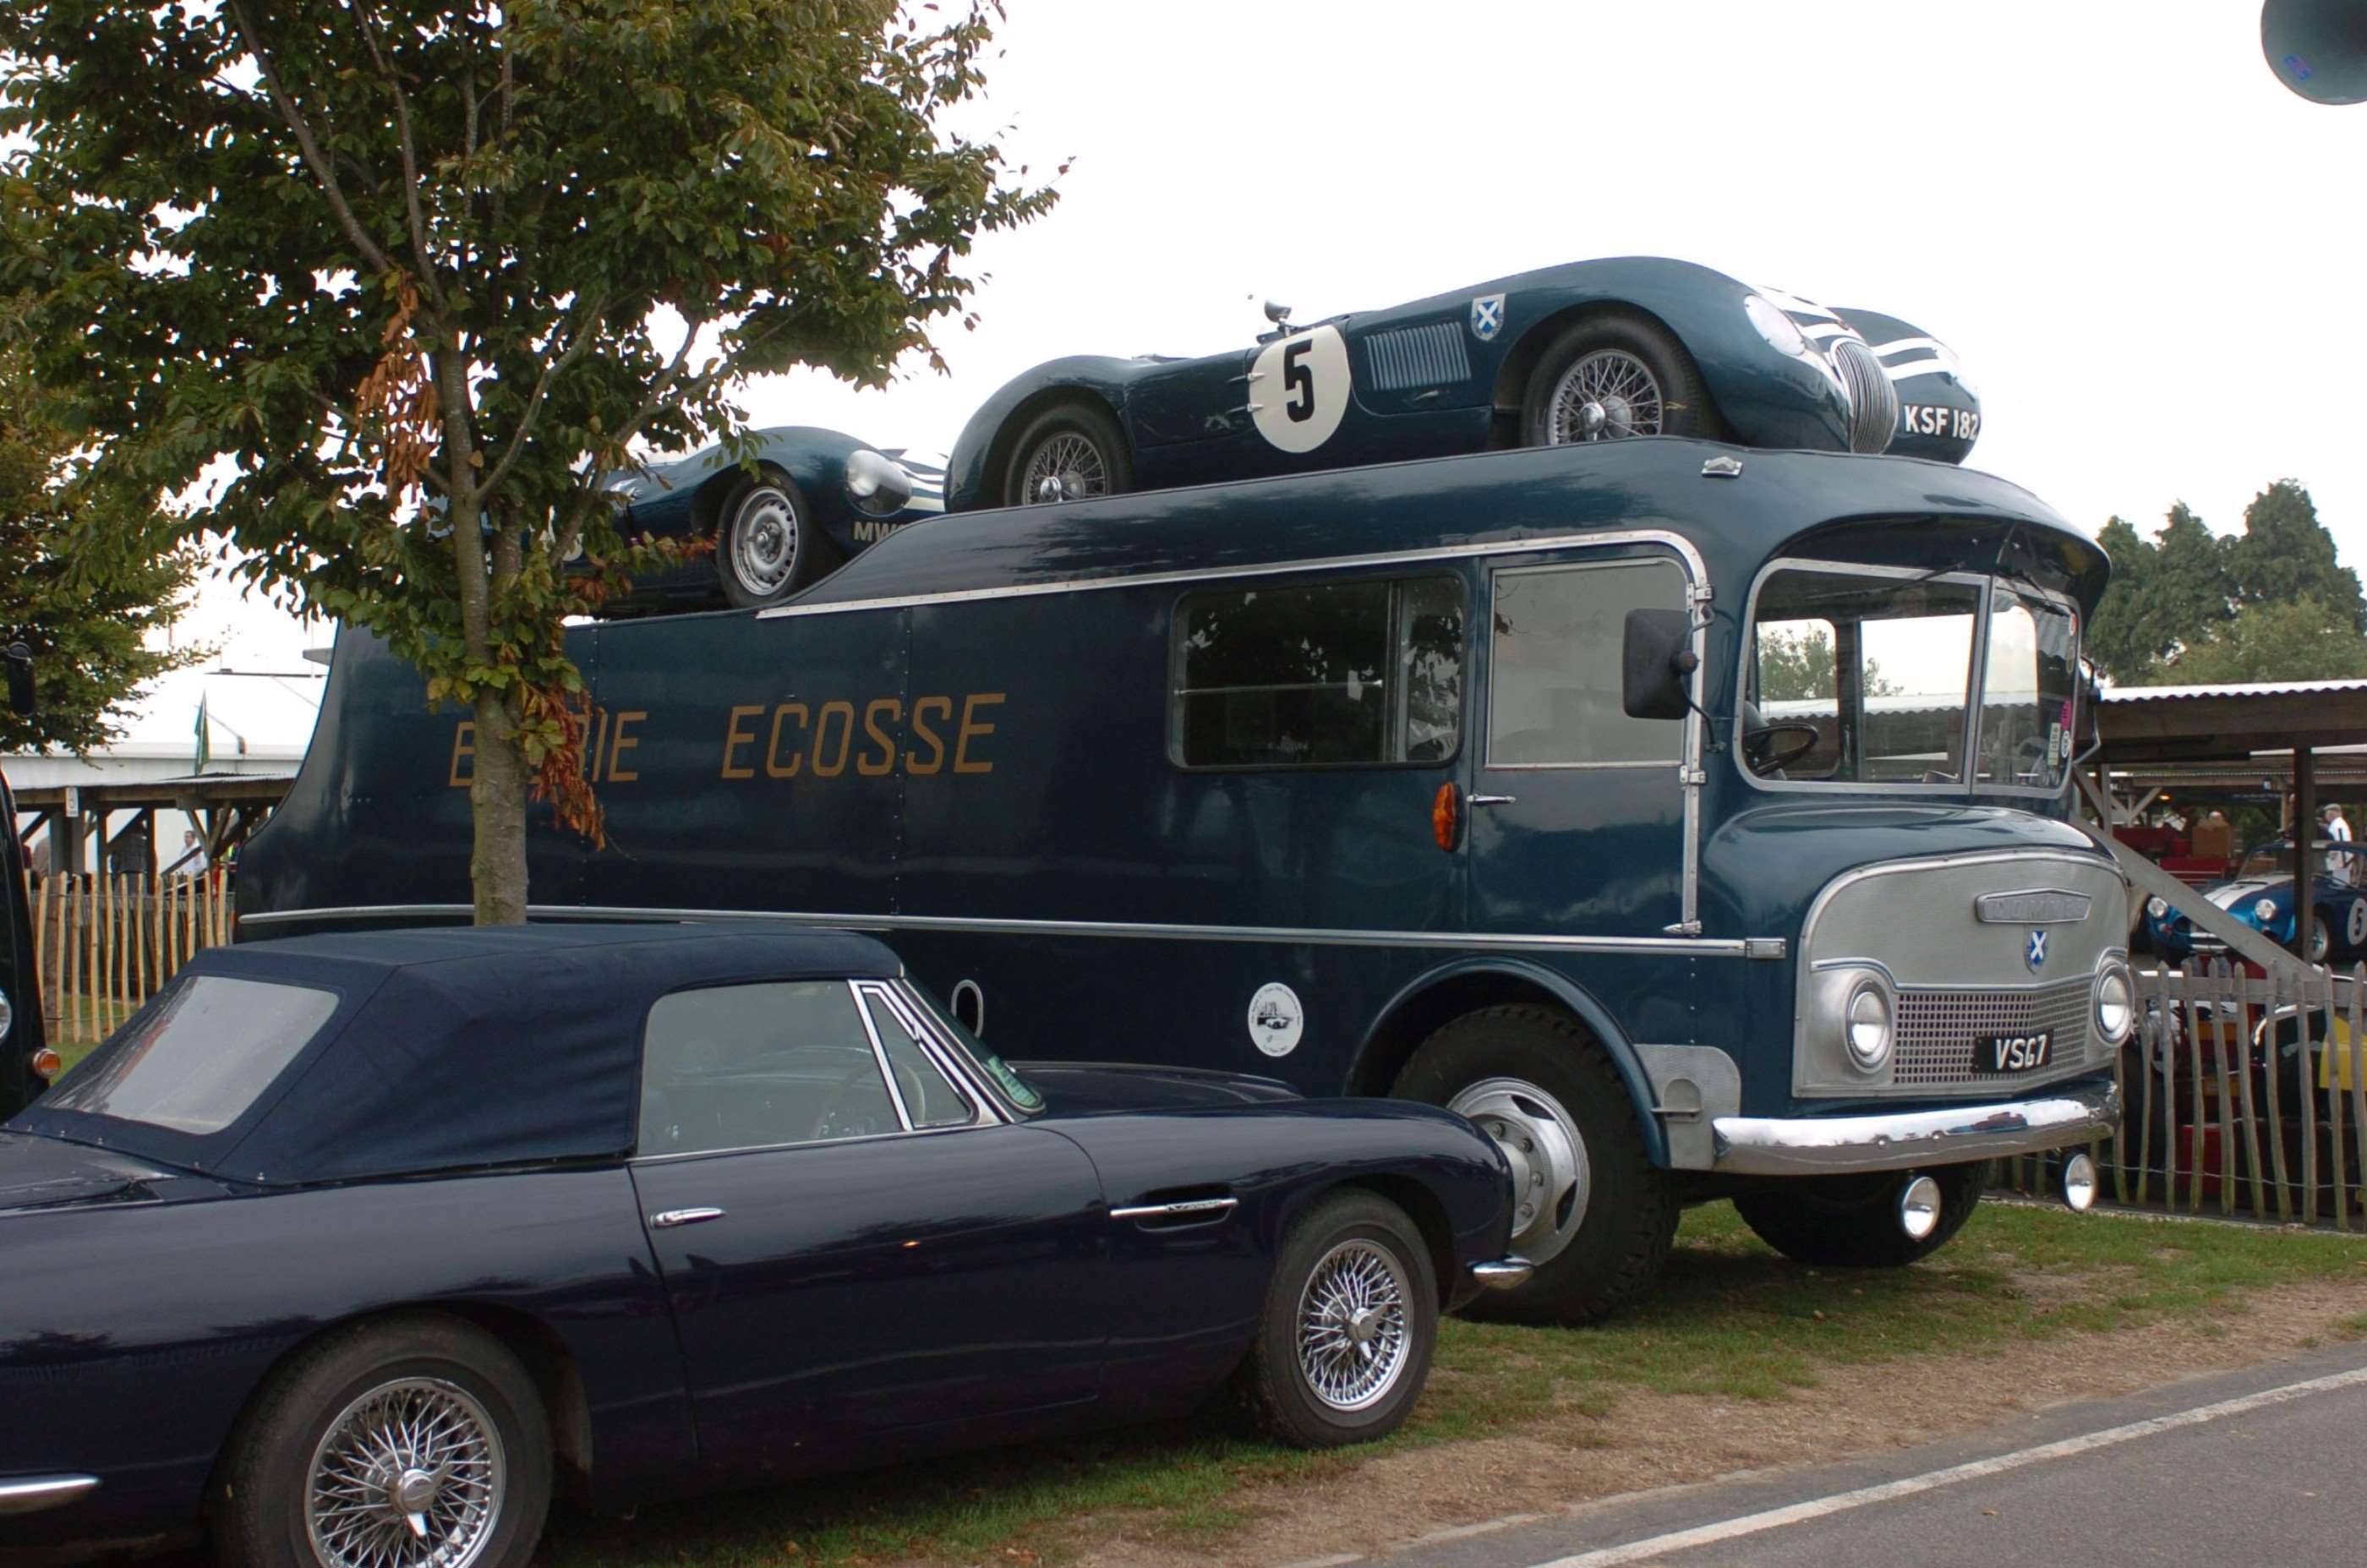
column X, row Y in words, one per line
column 205, row 738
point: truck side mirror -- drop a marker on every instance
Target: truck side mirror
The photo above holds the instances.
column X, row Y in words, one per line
column 1656, row 662
column 20, row 679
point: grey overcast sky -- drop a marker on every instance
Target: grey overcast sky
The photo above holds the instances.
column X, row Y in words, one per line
column 2146, row 252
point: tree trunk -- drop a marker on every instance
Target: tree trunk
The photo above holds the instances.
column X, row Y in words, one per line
column 497, row 802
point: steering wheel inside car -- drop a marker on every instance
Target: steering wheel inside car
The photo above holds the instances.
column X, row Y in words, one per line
column 1761, row 750
column 844, row 1115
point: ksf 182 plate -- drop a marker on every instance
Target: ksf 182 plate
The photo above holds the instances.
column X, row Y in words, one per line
column 2014, row 1053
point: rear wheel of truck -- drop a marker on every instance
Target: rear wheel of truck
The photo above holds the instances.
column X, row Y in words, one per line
column 1590, row 1210
column 1852, row 1221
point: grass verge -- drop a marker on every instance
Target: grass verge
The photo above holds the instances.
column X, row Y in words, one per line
column 1729, row 1320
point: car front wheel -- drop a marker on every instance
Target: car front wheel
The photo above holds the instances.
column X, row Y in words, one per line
column 765, row 547
column 1070, row 452
column 1351, row 1318
column 417, row 1443
column 1612, row 376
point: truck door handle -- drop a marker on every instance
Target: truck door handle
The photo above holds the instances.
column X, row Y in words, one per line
column 670, row 1218
column 1491, row 799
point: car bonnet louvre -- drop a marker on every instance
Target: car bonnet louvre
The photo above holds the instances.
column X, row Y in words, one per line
column 1406, row 357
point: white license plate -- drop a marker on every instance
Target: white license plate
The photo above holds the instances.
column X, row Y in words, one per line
column 2014, row 1053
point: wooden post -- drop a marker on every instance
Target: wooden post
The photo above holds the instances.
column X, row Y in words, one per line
column 2334, row 1080
column 2274, row 1127
column 2200, row 1110
column 2309, row 1061
column 2305, row 849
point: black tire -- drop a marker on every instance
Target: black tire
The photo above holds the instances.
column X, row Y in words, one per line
column 1623, row 1213
column 2321, row 934
column 1684, row 403
column 260, row 1513
column 1278, row 1384
column 1852, row 1221
column 767, row 546
column 1103, row 465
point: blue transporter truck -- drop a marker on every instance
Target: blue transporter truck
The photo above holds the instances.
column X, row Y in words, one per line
column 1695, row 819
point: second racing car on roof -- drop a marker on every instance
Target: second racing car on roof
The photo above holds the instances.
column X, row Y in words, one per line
column 1588, row 351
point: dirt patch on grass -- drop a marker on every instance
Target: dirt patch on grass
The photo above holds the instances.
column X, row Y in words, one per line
column 1567, row 1455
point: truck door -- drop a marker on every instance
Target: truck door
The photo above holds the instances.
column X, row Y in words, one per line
column 1577, row 811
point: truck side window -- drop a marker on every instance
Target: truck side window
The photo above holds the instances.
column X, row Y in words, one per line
column 1333, row 674
column 1554, row 680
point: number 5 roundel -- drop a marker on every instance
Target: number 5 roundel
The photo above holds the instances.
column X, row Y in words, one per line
column 1298, row 388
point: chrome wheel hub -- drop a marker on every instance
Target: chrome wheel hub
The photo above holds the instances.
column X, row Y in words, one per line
column 409, row 1475
column 1605, row 395
column 1354, row 1325
column 764, row 542
column 1066, row 468
column 1551, row 1180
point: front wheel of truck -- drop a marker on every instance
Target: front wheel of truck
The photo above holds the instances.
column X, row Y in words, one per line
column 1852, row 1221
column 1590, row 1210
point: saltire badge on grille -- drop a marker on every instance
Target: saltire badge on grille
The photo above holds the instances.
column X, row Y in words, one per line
column 2035, row 954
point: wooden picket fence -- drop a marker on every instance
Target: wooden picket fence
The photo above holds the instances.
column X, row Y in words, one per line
column 102, row 945
column 2241, row 1096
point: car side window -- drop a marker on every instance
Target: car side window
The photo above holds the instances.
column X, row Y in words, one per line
column 931, row 1098
column 751, row 1066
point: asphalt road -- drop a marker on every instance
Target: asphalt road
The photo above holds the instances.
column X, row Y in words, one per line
column 2262, row 1466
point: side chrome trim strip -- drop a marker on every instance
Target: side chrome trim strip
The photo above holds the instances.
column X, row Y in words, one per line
column 1813, row 1145
column 1211, row 1207
column 34, row 1494
column 1296, row 936
column 1270, row 569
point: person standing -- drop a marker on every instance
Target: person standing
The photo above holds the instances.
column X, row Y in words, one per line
column 2341, row 864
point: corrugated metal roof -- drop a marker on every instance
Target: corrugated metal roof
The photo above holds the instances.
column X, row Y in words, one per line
column 2254, row 689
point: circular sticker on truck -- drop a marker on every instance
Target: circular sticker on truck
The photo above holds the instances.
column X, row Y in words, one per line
column 1276, row 1019
column 1298, row 388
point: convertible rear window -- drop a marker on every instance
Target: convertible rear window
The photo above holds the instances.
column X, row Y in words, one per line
column 198, row 1056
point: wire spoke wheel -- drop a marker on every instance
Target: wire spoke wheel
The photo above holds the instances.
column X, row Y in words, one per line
column 411, row 1474
column 1065, row 466
column 1354, row 1325
column 763, row 541
column 1603, row 396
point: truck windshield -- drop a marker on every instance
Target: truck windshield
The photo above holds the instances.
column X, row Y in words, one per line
column 1864, row 678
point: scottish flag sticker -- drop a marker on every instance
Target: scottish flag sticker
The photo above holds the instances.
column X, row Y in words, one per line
column 2035, row 954
column 1487, row 317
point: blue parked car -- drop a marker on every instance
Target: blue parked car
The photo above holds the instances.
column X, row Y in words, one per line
column 2260, row 895
column 815, row 499
column 1589, row 351
column 347, row 1249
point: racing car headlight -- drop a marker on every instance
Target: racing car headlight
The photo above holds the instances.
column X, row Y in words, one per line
column 2265, row 910
column 876, row 483
column 1783, row 334
column 2115, row 1001
column 2157, row 908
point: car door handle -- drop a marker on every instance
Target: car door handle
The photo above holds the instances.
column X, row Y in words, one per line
column 670, row 1218
column 1491, row 799
column 1187, row 1209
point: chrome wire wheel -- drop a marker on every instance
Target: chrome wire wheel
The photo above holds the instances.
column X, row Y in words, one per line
column 1551, row 1177
column 409, row 1475
column 1605, row 395
column 1354, row 1340
column 1065, row 466
column 763, row 541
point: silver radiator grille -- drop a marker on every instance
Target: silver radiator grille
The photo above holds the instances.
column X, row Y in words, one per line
column 1418, row 356
column 1937, row 1030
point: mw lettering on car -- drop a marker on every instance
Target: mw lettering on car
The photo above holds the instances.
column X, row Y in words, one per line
column 793, row 738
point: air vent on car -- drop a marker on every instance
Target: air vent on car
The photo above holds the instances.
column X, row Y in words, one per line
column 1418, row 356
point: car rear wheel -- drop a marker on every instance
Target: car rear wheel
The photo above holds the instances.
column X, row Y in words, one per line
column 1590, row 1208
column 416, row 1443
column 1611, row 376
column 765, row 546
column 2321, row 934
column 1071, row 451
column 1852, row 1221
column 1351, row 1318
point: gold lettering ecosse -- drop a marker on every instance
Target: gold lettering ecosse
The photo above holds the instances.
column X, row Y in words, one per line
column 792, row 738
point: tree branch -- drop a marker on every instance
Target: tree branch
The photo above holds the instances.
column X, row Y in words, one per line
column 314, row 159
column 419, row 250
column 588, row 326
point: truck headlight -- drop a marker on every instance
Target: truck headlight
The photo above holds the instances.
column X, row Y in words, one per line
column 2265, row 910
column 2116, row 1010
column 1866, row 1025
column 2157, row 908
column 876, row 483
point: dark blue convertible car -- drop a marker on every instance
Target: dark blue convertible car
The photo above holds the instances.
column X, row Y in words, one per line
column 349, row 1248
column 1589, row 351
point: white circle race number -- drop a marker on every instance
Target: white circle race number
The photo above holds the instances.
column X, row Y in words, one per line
column 1299, row 387
column 2356, row 927
column 1276, row 1019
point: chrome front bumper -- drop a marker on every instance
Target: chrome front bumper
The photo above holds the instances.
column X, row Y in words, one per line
column 32, row 1494
column 1503, row 1274
column 1824, row 1146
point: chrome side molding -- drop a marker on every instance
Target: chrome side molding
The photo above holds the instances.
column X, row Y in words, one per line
column 1191, row 1208
column 668, row 1219
column 32, row 1494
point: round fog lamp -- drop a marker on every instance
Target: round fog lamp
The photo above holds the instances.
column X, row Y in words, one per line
column 47, row 1064
column 2265, row 910
column 2115, row 1004
column 1919, row 1208
column 2157, row 907
column 1868, row 1027
column 2080, row 1182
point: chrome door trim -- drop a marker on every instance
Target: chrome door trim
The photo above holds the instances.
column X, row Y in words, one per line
column 1213, row 1207
column 1305, row 936
column 670, row 1219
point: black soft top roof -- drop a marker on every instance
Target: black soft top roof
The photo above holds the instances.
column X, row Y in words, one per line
column 461, row 1046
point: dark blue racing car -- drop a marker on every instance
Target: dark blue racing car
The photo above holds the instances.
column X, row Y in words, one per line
column 2260, row 895
column 345, row 1250
column 1591, row 351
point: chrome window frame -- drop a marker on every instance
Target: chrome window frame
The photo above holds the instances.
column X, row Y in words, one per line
column 924, row 1037
column 1685, row 585
column 2023, row 588
column 1976, row 681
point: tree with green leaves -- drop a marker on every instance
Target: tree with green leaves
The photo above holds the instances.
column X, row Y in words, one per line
column 89, row 630
column 400, row 281
column 2285, row 555
column 2301, row 639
